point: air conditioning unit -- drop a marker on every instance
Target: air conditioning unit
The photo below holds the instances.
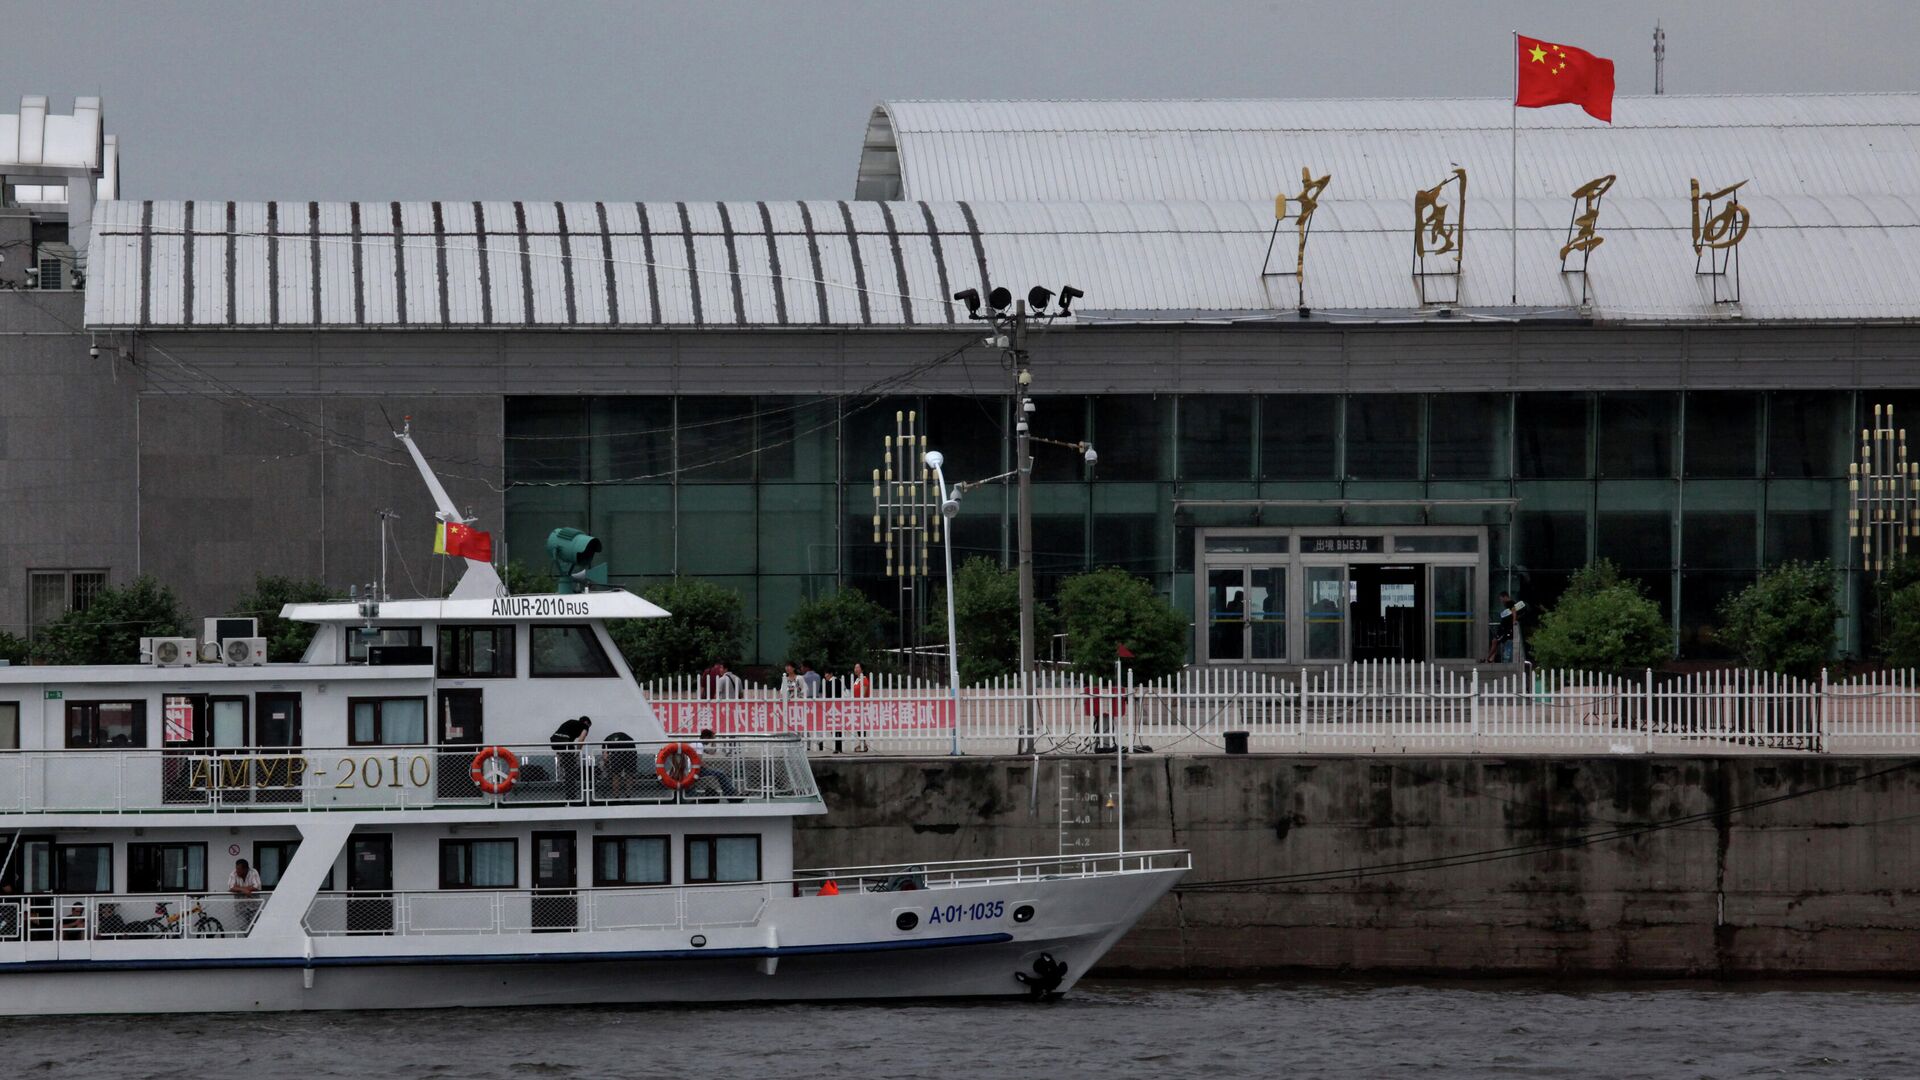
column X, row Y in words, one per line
column 221, row 629
column 244, row 651
column 168, row 651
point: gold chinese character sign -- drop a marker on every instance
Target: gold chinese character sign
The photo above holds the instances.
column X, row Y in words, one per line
column 1305, row 204
column 1583, row 234
column 1720, row 222
column 1435, row 235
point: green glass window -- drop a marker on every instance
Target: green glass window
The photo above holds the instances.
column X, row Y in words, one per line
column 1552, row 539
column 718, row 529
column 1299, row 436
column 633, row 439
column 1062, row 417
column 1723, row 539
column 1467, row 436
column 1799, row 535
column 1132, row 433
column 798, row 438
column 1550, row 435
column 796, row 526
column 1641, row 539
column 1383, row 436
column 1637, row 434
column 1216, row 437
column 1809, row 433
column 546, row 439
column 1723, row 433
column 715, row 437
column 566, row 651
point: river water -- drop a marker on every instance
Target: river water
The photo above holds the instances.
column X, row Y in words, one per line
column 1104, row 1029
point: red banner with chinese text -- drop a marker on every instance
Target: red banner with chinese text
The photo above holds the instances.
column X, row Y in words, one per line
column 775, row 717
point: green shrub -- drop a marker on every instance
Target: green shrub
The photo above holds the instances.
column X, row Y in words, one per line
column 1106, row 609
column 1784, row 621
column 835, row 632
column 13, row 648
column 1901, row 609
column 706, row 622
column 109, row 630
column 1604, row 624
column 287, row 640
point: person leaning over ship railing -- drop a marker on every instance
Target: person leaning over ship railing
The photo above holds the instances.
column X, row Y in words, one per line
column 566, row 741
column 714, row 765
column 244, row 883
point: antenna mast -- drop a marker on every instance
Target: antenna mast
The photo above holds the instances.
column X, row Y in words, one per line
column 1659, row 58
column 385, row 516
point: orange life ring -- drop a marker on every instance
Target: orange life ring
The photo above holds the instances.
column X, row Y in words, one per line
column 487, row 783
column 677, row 765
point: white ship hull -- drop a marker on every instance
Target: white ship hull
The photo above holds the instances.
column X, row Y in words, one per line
column 809, row 948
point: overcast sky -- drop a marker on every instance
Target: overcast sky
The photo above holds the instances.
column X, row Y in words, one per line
column 728, row 99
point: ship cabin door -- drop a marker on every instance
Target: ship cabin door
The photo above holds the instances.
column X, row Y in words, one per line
column 370, row 883
column 555, row 875
column 462, row 727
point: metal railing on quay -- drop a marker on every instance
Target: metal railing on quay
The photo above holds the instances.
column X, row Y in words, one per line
column 126, row 916
column 679, row 907
column 1384, row 707
column 762, row 769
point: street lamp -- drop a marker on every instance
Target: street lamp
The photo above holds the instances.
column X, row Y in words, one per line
column 949, row 506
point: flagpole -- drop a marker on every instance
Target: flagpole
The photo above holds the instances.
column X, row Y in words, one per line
column 1513, row 180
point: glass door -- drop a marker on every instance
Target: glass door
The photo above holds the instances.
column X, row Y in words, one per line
column 555, row 874
column 1326, row 598
column 461, row 731
column 1453, row 620
column 1246, row 613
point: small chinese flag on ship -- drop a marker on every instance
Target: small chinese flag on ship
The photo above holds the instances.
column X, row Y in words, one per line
column 453, row 538
column 1563, row 75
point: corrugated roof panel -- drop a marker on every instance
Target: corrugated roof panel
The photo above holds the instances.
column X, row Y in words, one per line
column 381, row 295
column 502, row 253
column 209, row 277
column 337, row 277
column 589, row 269
column 541, row 216
column 714, row 280
column 549, row 277
column 465, row 298
column 630, row 276
column 796, row 262
column 836, row 264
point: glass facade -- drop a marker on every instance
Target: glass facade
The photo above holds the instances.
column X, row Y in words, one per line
column 1691, row 493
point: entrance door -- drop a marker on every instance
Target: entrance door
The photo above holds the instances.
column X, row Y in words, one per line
column 276, row 726
column 1326, row 598
column 1388, row 617
column 461, row 726
column 1247, row 613
column 188, row 773
column 555, row 875
column 370, row 883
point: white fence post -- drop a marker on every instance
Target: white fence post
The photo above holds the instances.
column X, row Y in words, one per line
column 1473, row 714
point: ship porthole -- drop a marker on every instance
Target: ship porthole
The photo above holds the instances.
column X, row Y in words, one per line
column 906, row 920
column 1023, row 913
column 699, row 941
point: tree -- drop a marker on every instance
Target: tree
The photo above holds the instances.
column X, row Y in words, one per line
column 521, row 579
column 1900, row 645
column 1602, row 623
column 287, row 640
column 13, row 648
column 1784, row 621
column 109, row 629
column 835, row 632
column 1106, row 609
column 705, row 623
column 986, row 612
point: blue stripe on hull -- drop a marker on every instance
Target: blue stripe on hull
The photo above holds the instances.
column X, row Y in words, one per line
column 32, row 966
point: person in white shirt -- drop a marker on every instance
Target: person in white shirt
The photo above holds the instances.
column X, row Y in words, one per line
column 243, row 884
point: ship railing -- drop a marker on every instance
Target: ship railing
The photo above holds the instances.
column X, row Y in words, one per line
column 680, row 907
column 126, row 916
column 757, row 769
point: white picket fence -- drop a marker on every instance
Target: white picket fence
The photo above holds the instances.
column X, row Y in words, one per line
column 1377, row 707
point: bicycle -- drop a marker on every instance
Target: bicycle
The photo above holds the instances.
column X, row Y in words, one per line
column 166, row 923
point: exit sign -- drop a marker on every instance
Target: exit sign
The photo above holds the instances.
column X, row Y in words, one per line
column 56, row 695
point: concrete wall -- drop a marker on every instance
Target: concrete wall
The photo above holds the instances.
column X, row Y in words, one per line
column 1796, row 865
column 68, row 468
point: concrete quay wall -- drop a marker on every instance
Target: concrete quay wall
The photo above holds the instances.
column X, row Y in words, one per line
column 1708, row 866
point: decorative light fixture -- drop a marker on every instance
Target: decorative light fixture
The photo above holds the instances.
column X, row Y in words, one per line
column 1883, row 490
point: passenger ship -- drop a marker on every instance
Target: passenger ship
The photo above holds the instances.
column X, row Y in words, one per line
column 420, row 842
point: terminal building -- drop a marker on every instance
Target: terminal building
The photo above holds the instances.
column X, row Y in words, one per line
column 1326, row 444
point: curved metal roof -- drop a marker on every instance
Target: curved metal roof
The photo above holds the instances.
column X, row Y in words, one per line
column 564, row 265
column 1385, row 148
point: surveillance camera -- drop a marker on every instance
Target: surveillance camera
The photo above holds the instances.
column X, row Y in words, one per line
column 93, row 352
column 950, row 507
column 1026, row 378
column 1026, row 405
column 935, row 459
column 1092, row 457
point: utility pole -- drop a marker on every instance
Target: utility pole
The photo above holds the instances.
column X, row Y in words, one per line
column 1023, row 469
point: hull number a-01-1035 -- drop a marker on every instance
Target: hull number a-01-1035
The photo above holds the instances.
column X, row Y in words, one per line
column 955, row 913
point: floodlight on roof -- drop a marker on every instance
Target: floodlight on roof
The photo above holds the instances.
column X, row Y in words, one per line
column 999, row 299
column 1068, row 294
column 1039, row 297
column 971, row 298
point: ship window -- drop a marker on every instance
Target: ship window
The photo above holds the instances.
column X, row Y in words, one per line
column 388, row 721
column 106, row 724
column 272, row 857
column 359, row 638
column 723, row 858
column 476, row 652
column 630, row 860
column 83, row 868
column 9, row 725
column 153, row 868
column 568, row 652
column 479, row 864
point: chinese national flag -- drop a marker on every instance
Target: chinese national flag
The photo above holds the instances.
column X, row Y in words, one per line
column 453, row 538
column 1563, row 75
